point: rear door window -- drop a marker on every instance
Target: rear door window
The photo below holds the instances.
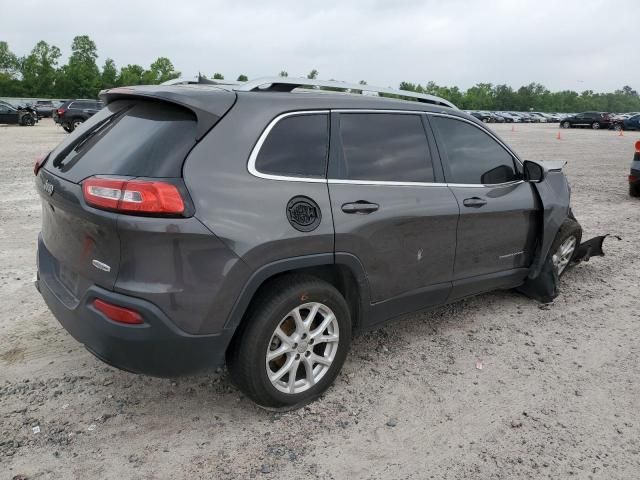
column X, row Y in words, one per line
column 472, row 155
column 130, row 138
column 384, row 147
column 297, row 146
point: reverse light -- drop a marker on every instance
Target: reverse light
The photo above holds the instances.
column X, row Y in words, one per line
column 118, row 314
column 133, row 196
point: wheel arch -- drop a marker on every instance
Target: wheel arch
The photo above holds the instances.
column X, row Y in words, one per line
column 342, row 270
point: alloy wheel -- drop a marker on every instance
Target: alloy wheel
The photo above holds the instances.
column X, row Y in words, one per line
column 563, row 255
column 302, row 348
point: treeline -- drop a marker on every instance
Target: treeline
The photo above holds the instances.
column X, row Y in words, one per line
column 40, row 74
column 536, row 97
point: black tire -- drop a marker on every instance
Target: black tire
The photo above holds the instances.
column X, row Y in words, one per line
column 595, row 125
column 566, row 125
column 617, row 127
column 246, row 358
column 570, row 228
column 634, row 190
column 68, row 127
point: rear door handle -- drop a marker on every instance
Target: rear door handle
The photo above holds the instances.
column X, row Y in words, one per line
column 475, row 202
column 360, row 207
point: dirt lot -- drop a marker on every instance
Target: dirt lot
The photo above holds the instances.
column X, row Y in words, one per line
column 557, row 396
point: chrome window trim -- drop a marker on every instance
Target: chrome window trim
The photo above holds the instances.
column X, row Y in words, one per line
column 263, row 136
column 335, row 181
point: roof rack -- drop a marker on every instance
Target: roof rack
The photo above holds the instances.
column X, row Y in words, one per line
column 286, row 84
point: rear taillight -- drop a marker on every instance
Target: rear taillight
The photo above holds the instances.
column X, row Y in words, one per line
column 638, row 146
column 133, row 196
column 633, row 179
column 38, row 165
column 60, row 111
column 118, row 314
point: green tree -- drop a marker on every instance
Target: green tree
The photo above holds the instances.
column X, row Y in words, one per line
column 10, row 85
column 109, row 75
column 243, row 78
column 283, row 73
column 313, row 74
column 160, row 71
column 39, row 70
column 130, row 75
column 82, row 71
column 218, row 76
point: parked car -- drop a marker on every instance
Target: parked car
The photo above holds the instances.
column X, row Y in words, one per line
column 185, row 226
column 595, row 120
column 508, row 117
column 634, row 174
column 13, row 115
column 73, row 112
column 484, row 117
column 629, row 123
column 540, row 117
column 44, row 108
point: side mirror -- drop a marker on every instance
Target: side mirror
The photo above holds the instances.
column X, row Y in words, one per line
column 533, row 172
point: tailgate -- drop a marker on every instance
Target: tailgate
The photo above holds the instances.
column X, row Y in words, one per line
column 81, row 245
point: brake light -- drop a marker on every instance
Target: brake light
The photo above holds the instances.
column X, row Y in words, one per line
column 39, row 162
column 638, row 146
column 60, row 111
column 118, row 314
column 137, row 196
column 633, row 179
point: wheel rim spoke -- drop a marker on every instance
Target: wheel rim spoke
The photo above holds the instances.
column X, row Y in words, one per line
column 315, row 349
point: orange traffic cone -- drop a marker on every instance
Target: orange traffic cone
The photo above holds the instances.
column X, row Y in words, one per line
column 558, row 137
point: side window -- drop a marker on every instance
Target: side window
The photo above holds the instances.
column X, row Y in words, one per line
column 296, row 146
column 473, row 156
column 384, row 147
column 4, row 109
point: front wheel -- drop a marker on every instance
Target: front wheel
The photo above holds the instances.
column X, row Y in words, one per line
column 292, row 343
column 566, row 125
column 617, row 127
column 595, row 125
column 565, row 245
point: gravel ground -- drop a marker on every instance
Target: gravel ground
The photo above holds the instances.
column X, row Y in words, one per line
column 497, row 386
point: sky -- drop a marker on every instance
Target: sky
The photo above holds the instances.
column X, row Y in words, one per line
column 570, row 44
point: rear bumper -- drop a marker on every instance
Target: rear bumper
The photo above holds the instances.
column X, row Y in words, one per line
column 156, row 348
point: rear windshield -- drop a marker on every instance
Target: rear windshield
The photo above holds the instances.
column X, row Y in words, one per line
column 129, row 138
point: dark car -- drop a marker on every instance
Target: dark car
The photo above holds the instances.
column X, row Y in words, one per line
column 44, row 108
column 631, row 123
column 484, row 117
column 262, row 226
column 73, row 112
column 12, row 115
column 634, row 174
column 595, row 120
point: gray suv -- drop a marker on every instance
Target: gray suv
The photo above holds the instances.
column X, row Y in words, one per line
column 261, row 225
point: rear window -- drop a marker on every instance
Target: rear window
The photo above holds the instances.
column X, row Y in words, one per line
column 130, row 138
column 296, row 146
column 384, row 147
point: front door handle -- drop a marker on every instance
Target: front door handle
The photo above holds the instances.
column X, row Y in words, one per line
column 362, row 207
column 474, row 202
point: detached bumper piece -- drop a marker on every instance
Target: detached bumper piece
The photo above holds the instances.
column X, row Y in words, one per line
column 544, row 287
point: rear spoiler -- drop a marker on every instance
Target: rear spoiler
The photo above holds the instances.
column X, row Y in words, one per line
column 208, row 103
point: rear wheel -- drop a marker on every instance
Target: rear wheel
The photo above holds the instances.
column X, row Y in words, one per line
column 292, row 344
column 617, row 127
column 634, row 190
column 566, row 125
column 595, row 125
column 565, row 245
column 68, row 127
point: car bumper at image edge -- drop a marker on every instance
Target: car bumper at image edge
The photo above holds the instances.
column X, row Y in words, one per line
column 157, row 347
